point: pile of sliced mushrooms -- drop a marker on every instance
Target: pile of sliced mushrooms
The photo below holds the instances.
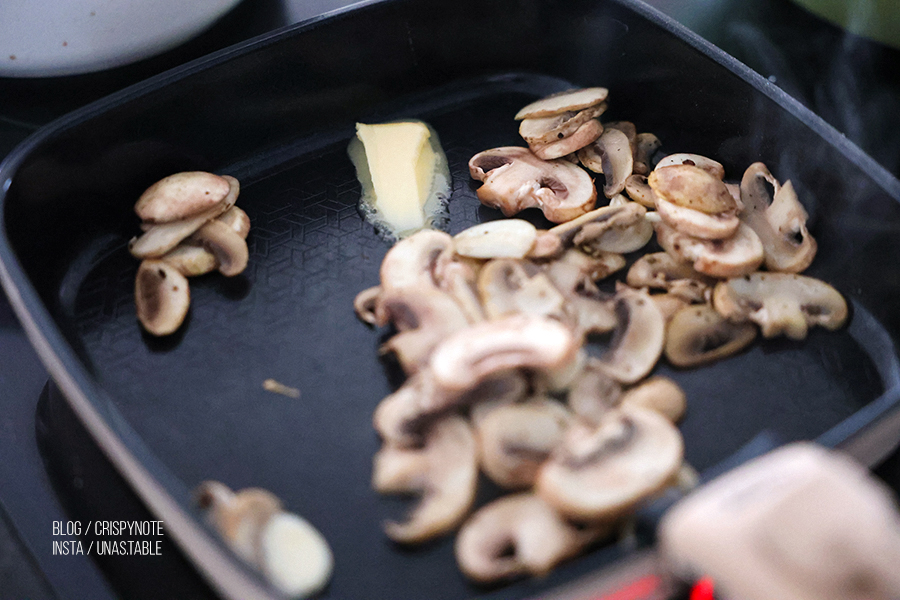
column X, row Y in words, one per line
column 191, row 227
column 493, row 327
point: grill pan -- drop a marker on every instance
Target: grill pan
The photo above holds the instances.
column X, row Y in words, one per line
column 277, row 113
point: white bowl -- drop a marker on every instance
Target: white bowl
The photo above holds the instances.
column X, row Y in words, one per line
column 42, row 38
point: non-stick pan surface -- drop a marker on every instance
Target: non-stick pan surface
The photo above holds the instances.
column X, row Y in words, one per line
column 277, row 114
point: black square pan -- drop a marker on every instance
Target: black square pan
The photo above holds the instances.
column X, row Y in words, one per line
column 277, row 113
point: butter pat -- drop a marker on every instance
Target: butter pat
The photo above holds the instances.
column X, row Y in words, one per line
column 403, row 173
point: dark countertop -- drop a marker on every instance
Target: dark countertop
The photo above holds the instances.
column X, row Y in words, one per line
column 852, row 83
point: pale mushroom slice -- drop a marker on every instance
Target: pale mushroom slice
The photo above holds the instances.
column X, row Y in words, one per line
column 503, row 238
column 593, row 393
column 237, row 219
column 638, row 339
column 423, row 317
column 412, row 261
column 739, row 255
column 576, row 272
column 226, row 244
column 365, row 304
column 639, row 190
column 519, row 535
column 699, row 335
column 581, row 137
column 709, row 165
column 191, row 260
column 661, row 271
column 696, row 223
column 161, row 296
column 515, row 179
column 456, row 275
column 444, row 472
column 645, row 146
column 779, row 221
column 599, row 221
column 159, row 239
column 614, row 153
column 781, row 303
column 660, row 394
column 507, row 287
column 181, row 195
column 515, row 439
column 543, row 130
column 484, row 350
column 628, row 232
column 603, row 472
column 669, row 304
column 689, row 186
column 570, row 100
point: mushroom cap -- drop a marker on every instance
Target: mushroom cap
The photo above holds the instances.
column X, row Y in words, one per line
column 709, row 165
column 412, row 260
column 698, row 335
column 716, row 226
column 514, row 439
column 503, row 238
column 600, row 473
column 226, row 244
column 237, row 219
column 738, row 255
column 191, row 260
column 660, row 394
column 160, row 238
column 543, row 130
column 518, row 535
column 691, row 187
column 614, row 151
column 161, row 296
column 581, row 137
column 639, row 190
column 638, row 339
column 645, row 146
column 515, row 179
column 781, row 303
column 180, row 196
column 569, row 100
column 527, row 342
column 507, row 287
column 444, row 471
column 365, row 304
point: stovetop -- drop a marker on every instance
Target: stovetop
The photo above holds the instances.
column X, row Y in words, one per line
column 51, row 473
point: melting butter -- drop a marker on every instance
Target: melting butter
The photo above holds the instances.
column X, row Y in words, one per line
column 404, row 176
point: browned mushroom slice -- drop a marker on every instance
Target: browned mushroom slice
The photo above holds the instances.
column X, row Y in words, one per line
column 519, row 535
column 180, row 196
column 659, row 270
column 191, row 260
column 508, row 287
column 779, row 221
column 736, row 256
column 626, row 127
column 601, row 219
column 709, row 165
column 365, row 304
column 503, row 238
column 602, row 472
column 691, row 187
column 616, row 159
column 237, row 219
column 515, row 439
column 423, row 318
column 660, row 394
column 229, row 248
column 161, row 296
column 645, row 146
column 487, row 349
column 411, row 261
column 159, row 239
column 638, row 339
column 580, row 138
column 716, row 226
column 593, row 393
column 639, row 190
column 515, row 179
column 781, row 303
column 570, row 100
column 698, row 335
column 444, row 472
column 543, row 130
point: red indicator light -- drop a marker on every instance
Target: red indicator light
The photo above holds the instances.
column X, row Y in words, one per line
column 703, row 590
column 636, row 590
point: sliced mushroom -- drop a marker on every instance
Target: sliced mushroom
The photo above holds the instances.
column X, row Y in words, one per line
column 181, row 196
column 229, row 248
column 516, row 438
column 645, row 146
column 468, row 357
column 570, row 100
column 660, row 394
column 661, row 271
column 669, row 304
column 238, row 517
column 162, row 297
column 716, row 226
column 691, row 187
column 616, row 159
column 496, row 392
column 365, row 304
column 779, row 221
column 518, row 535
column 238, row 220
column 575, row 271
column 781, row 303
column 736, row 256
column 581, row 137
column 639, row 190
column 508, row 287
column 628, row 231
column 594, row 393
column 638, row 339
column 546, row 246
column 543, row 130
column 698, row 335
column 602, row 472
column 159, row 239
column 444, row 472
column 456, row 276
column 709, row 165
column 504, row 238
column 191, row 260
column 515, row 179
column 411, row 261
column 600, row 220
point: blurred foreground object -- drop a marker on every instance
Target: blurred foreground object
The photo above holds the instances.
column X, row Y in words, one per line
column 877, row 20
column 800, row 523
